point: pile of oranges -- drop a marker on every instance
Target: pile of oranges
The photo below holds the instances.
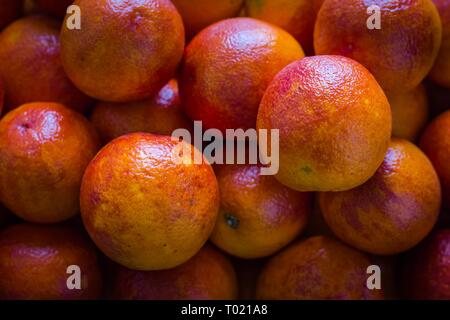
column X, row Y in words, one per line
column 94, row 204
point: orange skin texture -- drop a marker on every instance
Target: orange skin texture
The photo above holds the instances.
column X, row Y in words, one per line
column 44, row 149
column 409, row 113
column 34, row 261
column 435, row 142
column 334, row 123
column 441, row 69
column 427, row 268
column 225, row 71
column 296, row 17
column 55, row 7
column 254, row 205
column 2, row 96
column 11, row 10
column 316, row 268
column 399, row 55
column 161, row 114
column 31, row 68
column 129, row 67
column 208, row 275
column 198, row 14
column 144, row 210
column 394, row 210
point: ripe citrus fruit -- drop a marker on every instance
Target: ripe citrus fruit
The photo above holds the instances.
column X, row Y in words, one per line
column 399, row 54
column 35, row 261
column 2, row 96
column 126, row 50
column 207, row 275
column 316, row 268
column 254, row 205
column 228, row 66
column 427, row 268
column 409, row 112
column 143, row 207
column 435, row 142
column 55, row 7
column 296, row 17
column 334, row 123
column 10, row 10
column 161, row 114
column 441, row 69
column 44, row 149
column 198, row 14
column 30, row 65
column 394, row 210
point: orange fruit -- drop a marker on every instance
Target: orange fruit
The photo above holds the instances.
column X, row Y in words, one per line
column 427, row 268
column 296, row 17
column 254, row 205
column 334, row 123
column 55, row 7
column 435, row 142
column 198, row 14
column 11, row 10
column 316, row 268
column 161, row 114
column 130, row 55
column 144, row 208
column 208, row 275
column 35, row 261
column 394, row 210
column 31, row 68
column 228, row 66
column 44, row 149
column 2, row 96
column 399, row 55
column 440, row 73
column 409, row 112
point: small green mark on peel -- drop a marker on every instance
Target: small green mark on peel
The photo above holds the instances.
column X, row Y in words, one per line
column 306, row 169
column 232, row 221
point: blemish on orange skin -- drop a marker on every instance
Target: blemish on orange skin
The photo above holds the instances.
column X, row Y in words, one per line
column 391, row 212
column 308, row 269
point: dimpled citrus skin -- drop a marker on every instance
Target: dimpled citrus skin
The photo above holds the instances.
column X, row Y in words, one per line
column 394, row 210
column 11, row 10
column 2, row 96
column 427, row 268
column 409, row 113
column 161, row 114
column 142, row 208
column 228, row 66
column 334, row 123
column 198, row 14
column 54, row 7
column 441, row 69
column 34, row 261
column 316, row 268
column 252, row 207
column 208, row 275
column 435, row 142
column 31, row 68
column 126, row 50
column 296, row 17
column 399, row 55
column 44, row 149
